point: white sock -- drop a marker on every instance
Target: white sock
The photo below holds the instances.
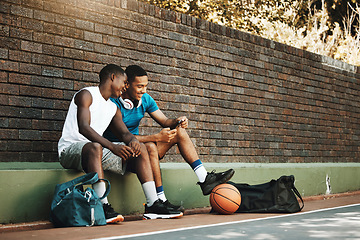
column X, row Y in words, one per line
column 201, row 173
column 160, row 193
column 199, row 170
column 162, row 196
column 150, row 192
column 100, row 189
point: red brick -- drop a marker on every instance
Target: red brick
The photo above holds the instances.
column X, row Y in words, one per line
column 52, row 93
column 4, row 99
column 30, row 91
column 103, row 29
column 22, row 11
column 9, row 89
column 30, row 68
column 82, row 65
column 73, row 32
column 111, row 40
column 42, row 59
column 4, row 77
column 31, row 46
column 56, row 7
column 9, row 66
column 4, row 53
column 18, row 56
column 93, row 37
column 53, row 28
column 72, row 74
column 21, row 33
column 32, row 24
column 64, row 41
column 9, row 134
column 44, row 16
column 19, row 78
column 45, row 38
column 20, row 101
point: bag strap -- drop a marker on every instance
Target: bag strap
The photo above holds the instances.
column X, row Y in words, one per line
column 291, row 181
column 108, row 187
column 88, row 178
column 299, row 195
column 91, row 178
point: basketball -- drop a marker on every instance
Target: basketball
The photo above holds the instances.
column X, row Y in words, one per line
column 225, row 199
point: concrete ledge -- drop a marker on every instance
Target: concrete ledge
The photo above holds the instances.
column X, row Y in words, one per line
column 26, row 189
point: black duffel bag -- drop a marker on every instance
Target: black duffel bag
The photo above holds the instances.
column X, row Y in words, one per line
column 276, row 196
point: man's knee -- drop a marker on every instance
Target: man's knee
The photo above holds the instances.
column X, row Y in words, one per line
column 182, row 133
column 151, row 148
column 144, row 152
column 91, row 156
column 92, row 149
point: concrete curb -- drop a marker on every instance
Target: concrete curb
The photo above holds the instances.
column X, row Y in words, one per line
column 38, row 225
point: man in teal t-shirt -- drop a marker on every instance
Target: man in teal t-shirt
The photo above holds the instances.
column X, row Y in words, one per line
column 132, row 117
column 133, row 103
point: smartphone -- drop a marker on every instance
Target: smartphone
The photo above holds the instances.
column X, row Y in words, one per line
column 178, row 123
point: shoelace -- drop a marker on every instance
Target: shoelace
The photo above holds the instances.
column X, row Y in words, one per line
column 212, row 172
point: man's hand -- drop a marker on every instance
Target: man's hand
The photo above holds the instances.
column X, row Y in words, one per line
column 182, row 122
column 135, row 145
column 123, row 151
column 166, row 135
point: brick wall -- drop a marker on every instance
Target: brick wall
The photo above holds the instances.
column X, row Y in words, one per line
column 248, row 99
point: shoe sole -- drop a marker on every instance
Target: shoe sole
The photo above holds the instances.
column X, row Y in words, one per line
column 224, row 180
column 117, row 219
column 148, row 216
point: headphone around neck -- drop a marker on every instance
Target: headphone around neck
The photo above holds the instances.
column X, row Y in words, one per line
column 128, row 104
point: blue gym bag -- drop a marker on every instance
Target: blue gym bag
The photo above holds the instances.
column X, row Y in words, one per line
column 74, row 207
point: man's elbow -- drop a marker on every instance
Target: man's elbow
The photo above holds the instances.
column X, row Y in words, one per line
column 83, row 130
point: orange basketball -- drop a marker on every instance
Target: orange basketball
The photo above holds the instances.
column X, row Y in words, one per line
column 225, row 198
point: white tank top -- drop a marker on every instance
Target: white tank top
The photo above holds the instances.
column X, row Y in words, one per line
column 101, row 114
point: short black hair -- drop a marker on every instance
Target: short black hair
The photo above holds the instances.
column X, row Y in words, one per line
column 109, row 69
column 133, row 71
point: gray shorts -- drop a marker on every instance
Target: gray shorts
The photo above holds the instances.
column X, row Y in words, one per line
column 70, row 158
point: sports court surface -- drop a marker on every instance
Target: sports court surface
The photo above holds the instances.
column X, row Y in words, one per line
column 333, row 218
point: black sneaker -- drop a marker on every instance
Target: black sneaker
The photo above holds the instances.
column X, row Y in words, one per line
column 213, row 179
column 110, row 215
column 159, row 211
column 175, row 207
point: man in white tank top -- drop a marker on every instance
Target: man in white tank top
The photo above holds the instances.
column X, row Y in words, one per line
column 83, row 147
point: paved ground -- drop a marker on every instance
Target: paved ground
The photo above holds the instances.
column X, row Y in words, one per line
column 316, row 221
column 332, row 223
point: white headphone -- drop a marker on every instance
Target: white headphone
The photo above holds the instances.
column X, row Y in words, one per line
column 128, row 104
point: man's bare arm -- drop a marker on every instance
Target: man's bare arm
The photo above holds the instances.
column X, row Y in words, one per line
column 83, row 100
column 166, row 134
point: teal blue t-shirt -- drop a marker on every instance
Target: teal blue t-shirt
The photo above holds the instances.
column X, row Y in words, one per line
column 132, row 117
